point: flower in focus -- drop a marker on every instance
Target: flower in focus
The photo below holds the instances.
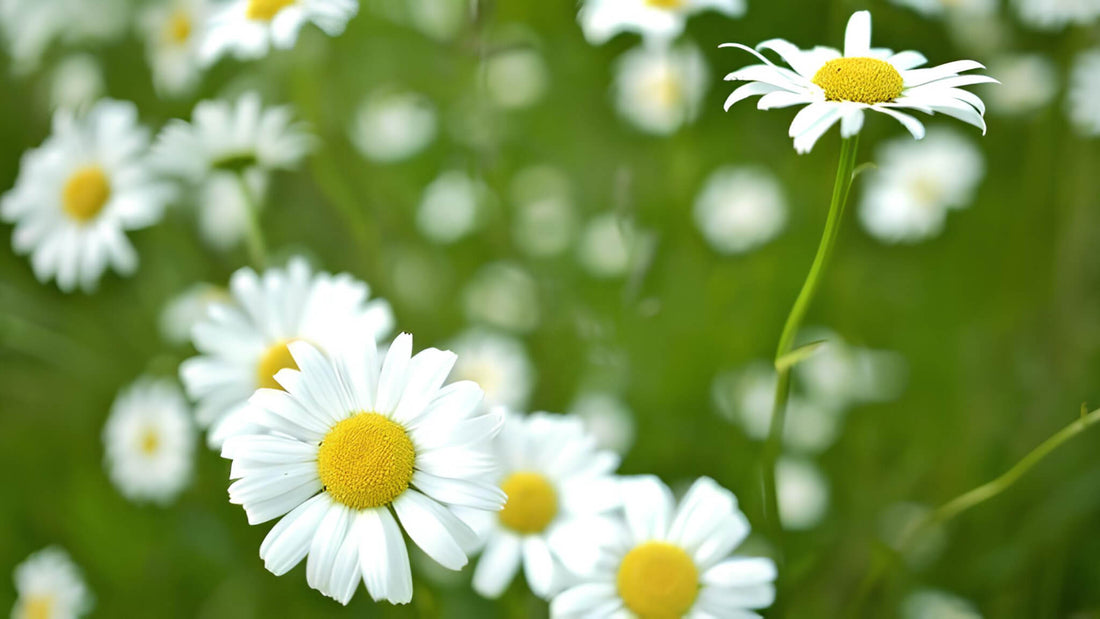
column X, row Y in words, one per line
column 188, row 309
column 498, row 363
column 659, row 89
column 740, row 209
column 1057, row 14
column 149, row 441
column 76, row 83
column 393, row 125
column 248, row 29
column 50, row 586
column 503, row 295
column 668, row 561
column 908, row 197
column 559, row 487
column 1029, row 82
column 803, row 493
column 1084, row 90
column 839, row 87
column 243, row 345
column 656, row 19
column 350, row 446
column 172, row 31
column 450, row 207
column 607, row 418
column 80, row 191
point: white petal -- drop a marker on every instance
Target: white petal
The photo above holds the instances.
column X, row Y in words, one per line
column 851, row 122
column 498, row 564
column 538, row 565
column 857, row 36
column 391, row 384
column 325, row 546
column 647, row 504
column 437, row 531
column 385, row 564
column 288, row 541
column 912, row 124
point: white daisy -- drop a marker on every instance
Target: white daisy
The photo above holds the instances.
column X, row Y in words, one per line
column 838, row 87
column 172, row 30
column 668, row 561
column 608, row 246
column 149, row 441
column 450, row 206
column 242, row 346
column 189, row 308
column 740, row 209
column 78, row 193
column 907, row 198
column 658, row 89
column 439, row 19
column 1084, row 91
column 1057, row 14
column 248, row 29
column 557, row 482
column 498, row 363
column 1029, row 82
column 50, row 586
column 76, row 83
column 656, row 19
column 393, row 125
column 503, row 295
column 223, row 205
column 607, row 418
column 952, row 8
column 516, row 77
column 803, row 493
column 352, row 442
column 30, row 27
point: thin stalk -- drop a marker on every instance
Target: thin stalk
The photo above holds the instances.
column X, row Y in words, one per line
column 257, row 248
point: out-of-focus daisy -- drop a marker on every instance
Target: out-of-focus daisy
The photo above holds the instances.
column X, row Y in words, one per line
column 498, row 363
column 803, row 493
column 839, row 87
column 934, row 604
column 349, row 442
column 840, row 375
column 149, row 441
column 50, row 586
column 223, row 205
column 558, row 484
column 951, row 8
column 656, row 19
column 503, row 295
column 1084, row 91
column 393, row 125
column 667, row 561
column 172, row 30
column 607, row 418
column 907, row 198
column 450, row 207
column 244, row 344
column 76, row 82
column 516, row 77
column 1028, row 83
column 608, row 246
column 80, row 191
column 189, row 308
column 248, row 29
column 439, row 19
column 1057, row 14
column 740, row 209
column 659, row 88
column 545, row 218
column 29, row 27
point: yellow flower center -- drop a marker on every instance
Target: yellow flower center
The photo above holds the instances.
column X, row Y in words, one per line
column 274, row 359
column 657, row 580
column 85, row 193
column 669, row 5
column 150, row 441
column 532, row 503
column 863, row 80
column 266, row 10
column 179, row 27
column 38, row 607
column 366, row 461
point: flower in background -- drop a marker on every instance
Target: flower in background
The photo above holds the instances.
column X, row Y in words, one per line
column 950, row 8
column 450, row 207
column 740, row 209
column 30, row 27
column 498, row 363
column 607, row 418
column 545, row 219
column 1029, row 82
column 659, row 89
column 656, row 19
column 244, row 344
column 76, row 83
column 667, row 561
column 503, row 295
column 173, row 29
column 803, row 493
column 439, row 19
column 1084, row 91
column 50, row 586
column 248, row 29
column 350, row 441
column 933, row 604
column 393, row 125
column 149, row 441
column 189, row 308
column 836, row 87
column 608, row 246
column 80, row 191
column 908, row 197
column 516, row 77
column 559, row 487
column 1057, row 14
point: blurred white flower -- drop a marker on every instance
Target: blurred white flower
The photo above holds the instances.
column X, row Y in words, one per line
column 803, row 493
column 450, row 207
column 558, row 483
column 940, row 8
column 50, row 586
column 1084, row 92
column 248, row 29
column 76, row 83
column 896, row 526
column 80, row 191
column 29, row 27
column 1028, row 82
column 1057, row 14
column 907, row 198
column 149, row 441
column 740, row 209
column 608, row 246
column 503, row 295
column 657, row 19
column 516, row 77
column 188, row 308
column 933, row 604
column 607, row 418
column 243, row 345
column 172, row 30
column 839, row 375
column 658, row 88
column 498, row 363
column 393, row 125
column 545, row 218
column 223, row 205
column 439, row 19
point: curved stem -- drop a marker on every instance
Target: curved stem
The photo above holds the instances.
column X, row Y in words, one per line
column 257, row 248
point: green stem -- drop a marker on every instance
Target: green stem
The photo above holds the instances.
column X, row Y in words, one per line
column 257, row 248
column 774, row 445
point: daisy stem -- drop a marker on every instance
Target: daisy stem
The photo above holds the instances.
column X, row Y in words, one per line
column 773, row 445
column 257, row 248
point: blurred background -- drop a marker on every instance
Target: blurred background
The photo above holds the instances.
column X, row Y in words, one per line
column 635, row 251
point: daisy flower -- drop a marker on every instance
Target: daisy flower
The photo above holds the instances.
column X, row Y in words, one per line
column 172, row 31
column 657, row 19
column 669, row 561
column 394, row 125
column 952, row 8
column 740, row 209
column 189, row 308
column 558, row 485
column 803, row 493
column 349, row 447
column 840, row 87
column 498, row 363
column 50, row 586
column 450, row 207
column 76, row 83
column 659, row 89
column 1084, row 89
column 248, row 29
column 244, row 344
column 607, row 418
column 503, row 295
column 149, row 441
column 80, row 191
column 1029, row 82
column 1057, row 14
column 609, row 246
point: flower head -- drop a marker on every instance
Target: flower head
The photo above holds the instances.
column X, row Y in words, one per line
column 172, row 31
column 654, row 19
column 248, row 29
column 50, row 585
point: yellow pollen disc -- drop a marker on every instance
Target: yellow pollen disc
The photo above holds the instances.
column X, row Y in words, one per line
column 179, row 27
column 274, row 359
column 366, row 461
column 657, row 580
column 38, row 607
column 150, row 441
column 266, row 10
column 863, row 80
column 532, row 503
column 85, row 193
column 665, row 4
